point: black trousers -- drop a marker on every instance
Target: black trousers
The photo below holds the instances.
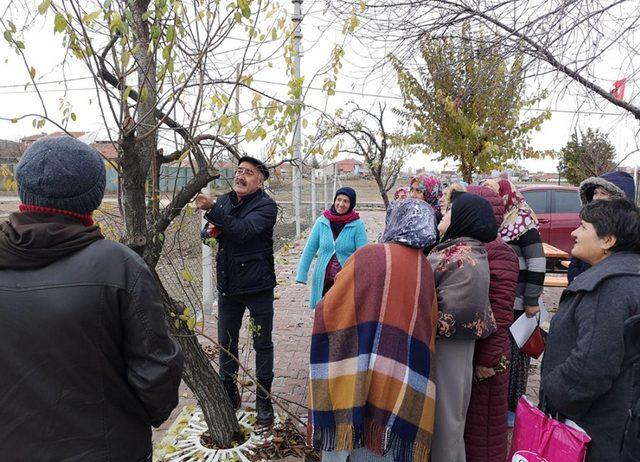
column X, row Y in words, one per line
column 230, row 312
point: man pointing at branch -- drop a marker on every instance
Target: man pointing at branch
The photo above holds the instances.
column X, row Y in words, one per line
column 242, row 222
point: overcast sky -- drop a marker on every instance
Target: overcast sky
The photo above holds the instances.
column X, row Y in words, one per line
column 45, row 52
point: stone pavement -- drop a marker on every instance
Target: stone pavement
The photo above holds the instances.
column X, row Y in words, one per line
column 293, row 321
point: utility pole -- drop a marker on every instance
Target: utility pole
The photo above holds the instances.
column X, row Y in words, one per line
column 635, row 178
column 325, row 181
column 313, row 194
column 297, row 136
column 208, row 295
column 238, row 77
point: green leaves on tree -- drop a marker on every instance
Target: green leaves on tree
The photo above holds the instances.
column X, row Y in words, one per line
column 586, row 154
column 465, row 103
column 59, row 23
column 44, row 6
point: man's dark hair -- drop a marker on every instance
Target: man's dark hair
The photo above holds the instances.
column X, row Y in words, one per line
column 615, row 217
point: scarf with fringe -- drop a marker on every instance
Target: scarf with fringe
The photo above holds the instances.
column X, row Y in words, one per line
column 373, row 340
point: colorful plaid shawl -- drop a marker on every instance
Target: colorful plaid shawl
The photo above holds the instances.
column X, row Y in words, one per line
column 373, row 338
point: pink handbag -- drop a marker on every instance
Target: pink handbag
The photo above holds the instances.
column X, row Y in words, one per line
column 540, row 438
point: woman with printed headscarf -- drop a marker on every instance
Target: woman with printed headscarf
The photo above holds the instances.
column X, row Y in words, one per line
column 461, row 272
column 371, row 395
column 336, row 235
column 429, row 189
column 519, row 229
column 401, row 194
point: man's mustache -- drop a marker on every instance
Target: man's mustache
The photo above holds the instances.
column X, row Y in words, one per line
column 240, row 181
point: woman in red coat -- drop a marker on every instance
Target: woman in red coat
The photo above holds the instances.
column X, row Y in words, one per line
column 486, row 426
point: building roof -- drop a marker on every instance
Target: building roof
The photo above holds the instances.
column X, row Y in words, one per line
column 10, row 151
column 32, row 138
column 106, row 148
column 350, row 161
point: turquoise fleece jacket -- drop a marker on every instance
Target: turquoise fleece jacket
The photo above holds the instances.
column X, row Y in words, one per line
column 320, row 242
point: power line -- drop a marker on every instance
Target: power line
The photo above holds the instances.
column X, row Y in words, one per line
column 52, row 90
column 268, row 82
column 50, row 82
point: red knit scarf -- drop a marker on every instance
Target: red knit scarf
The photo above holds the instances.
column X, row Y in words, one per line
column 85, row 219
column 341, row 219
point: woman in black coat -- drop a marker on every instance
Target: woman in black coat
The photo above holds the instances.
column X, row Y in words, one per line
column 587, row 366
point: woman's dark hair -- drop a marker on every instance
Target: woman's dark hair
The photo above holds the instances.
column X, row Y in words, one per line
column 615, row 217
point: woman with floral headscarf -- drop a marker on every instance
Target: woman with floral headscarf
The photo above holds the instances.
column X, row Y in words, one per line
column 401, row 194
column 519, row 229
column 429, row 189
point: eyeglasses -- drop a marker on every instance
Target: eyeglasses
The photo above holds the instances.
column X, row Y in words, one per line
column 244, row 171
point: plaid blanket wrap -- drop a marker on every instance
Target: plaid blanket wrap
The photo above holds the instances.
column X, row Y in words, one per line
column 373, row 339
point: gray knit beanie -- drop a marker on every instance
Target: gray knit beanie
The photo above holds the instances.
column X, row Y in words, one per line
column 61, row 173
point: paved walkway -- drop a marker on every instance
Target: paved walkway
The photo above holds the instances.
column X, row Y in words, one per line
column 292, row 327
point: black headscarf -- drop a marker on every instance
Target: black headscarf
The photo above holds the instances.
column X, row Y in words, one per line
column 471, row 216
column 350, row 193
column 338, row 224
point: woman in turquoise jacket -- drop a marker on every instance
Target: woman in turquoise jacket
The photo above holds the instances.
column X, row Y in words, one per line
column 337, row 234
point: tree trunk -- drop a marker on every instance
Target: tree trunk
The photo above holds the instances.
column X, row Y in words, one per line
column 381, row 189
column 139, row 148
column 145, row 142
column 133, row 195
column 201, row 378
column 383, row 194
column 466, row 170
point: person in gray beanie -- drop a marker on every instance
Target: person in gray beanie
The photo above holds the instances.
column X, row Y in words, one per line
column 88, row 366
column 61, row 173
column 603, row 187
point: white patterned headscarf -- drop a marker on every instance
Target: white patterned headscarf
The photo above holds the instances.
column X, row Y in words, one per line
column 410, row 222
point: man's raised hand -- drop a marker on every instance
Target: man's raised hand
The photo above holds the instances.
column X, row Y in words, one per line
column 203, row 202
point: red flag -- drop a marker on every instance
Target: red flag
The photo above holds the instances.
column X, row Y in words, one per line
column 618, row 88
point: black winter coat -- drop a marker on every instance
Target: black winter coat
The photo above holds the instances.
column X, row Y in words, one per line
column 587, row 365
column 244, row 262
column 87, row 364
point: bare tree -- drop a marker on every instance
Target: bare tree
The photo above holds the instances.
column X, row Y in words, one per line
column 361, row 132
column 568, row 36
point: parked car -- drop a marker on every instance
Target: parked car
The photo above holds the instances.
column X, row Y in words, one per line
column 558, row 209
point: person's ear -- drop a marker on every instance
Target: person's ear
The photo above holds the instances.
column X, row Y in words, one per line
column 608, row 242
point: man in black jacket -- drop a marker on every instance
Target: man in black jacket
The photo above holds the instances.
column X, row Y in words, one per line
column 242, row 221
column 87, row 363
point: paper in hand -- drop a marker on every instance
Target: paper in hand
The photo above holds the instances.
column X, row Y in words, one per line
column 523, row 327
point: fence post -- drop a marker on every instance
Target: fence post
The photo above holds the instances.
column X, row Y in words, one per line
column 207, row 271
column 313, row 195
